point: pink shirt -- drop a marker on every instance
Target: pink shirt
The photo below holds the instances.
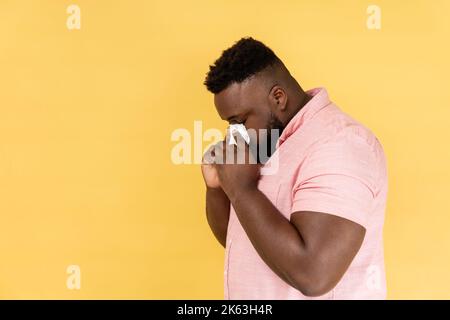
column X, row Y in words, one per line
column 330, row 163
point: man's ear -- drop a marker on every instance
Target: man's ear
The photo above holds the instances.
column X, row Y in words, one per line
column 278, row 98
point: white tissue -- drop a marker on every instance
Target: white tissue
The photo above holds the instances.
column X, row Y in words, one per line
column 240, row 129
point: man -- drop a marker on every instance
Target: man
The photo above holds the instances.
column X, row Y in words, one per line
column 314, row 228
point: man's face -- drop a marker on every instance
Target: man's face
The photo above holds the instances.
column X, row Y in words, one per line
column 249, row 103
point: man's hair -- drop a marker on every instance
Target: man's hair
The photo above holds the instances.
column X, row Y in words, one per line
column 237, row 63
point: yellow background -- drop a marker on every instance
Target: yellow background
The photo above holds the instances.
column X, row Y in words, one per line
column 86, row 117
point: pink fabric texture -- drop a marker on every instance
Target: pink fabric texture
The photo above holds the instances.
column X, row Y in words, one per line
column 325, row 162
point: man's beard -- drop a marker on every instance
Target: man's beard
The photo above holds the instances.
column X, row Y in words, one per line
column 274, row 129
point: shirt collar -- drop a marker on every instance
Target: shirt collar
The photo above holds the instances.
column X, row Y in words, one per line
column 319, row 100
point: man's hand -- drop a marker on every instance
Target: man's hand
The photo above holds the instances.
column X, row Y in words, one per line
column 237, row 173
column 209, row 171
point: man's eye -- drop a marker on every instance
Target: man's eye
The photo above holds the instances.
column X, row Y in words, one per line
column 237, row 122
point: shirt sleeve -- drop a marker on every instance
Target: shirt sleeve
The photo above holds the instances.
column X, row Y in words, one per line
column 338, row 177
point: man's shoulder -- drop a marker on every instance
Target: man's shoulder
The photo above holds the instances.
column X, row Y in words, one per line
column 336, row 125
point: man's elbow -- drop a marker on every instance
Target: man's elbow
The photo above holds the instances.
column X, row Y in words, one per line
column 314, row 284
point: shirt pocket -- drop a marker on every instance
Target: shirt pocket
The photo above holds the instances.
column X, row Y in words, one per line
column 280, row 195
column 283, row 200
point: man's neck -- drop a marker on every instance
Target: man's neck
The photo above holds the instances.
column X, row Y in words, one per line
column 304, row 98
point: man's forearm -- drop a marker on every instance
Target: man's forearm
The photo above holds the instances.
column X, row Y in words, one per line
column 218, row 213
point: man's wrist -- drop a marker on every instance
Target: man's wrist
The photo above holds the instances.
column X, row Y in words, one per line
column 242, row 194
column 216, row 192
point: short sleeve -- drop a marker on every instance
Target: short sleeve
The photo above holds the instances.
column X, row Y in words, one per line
column 338, row 177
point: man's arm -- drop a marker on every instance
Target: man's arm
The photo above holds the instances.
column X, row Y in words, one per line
column 218, row 213
column 311, row 252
